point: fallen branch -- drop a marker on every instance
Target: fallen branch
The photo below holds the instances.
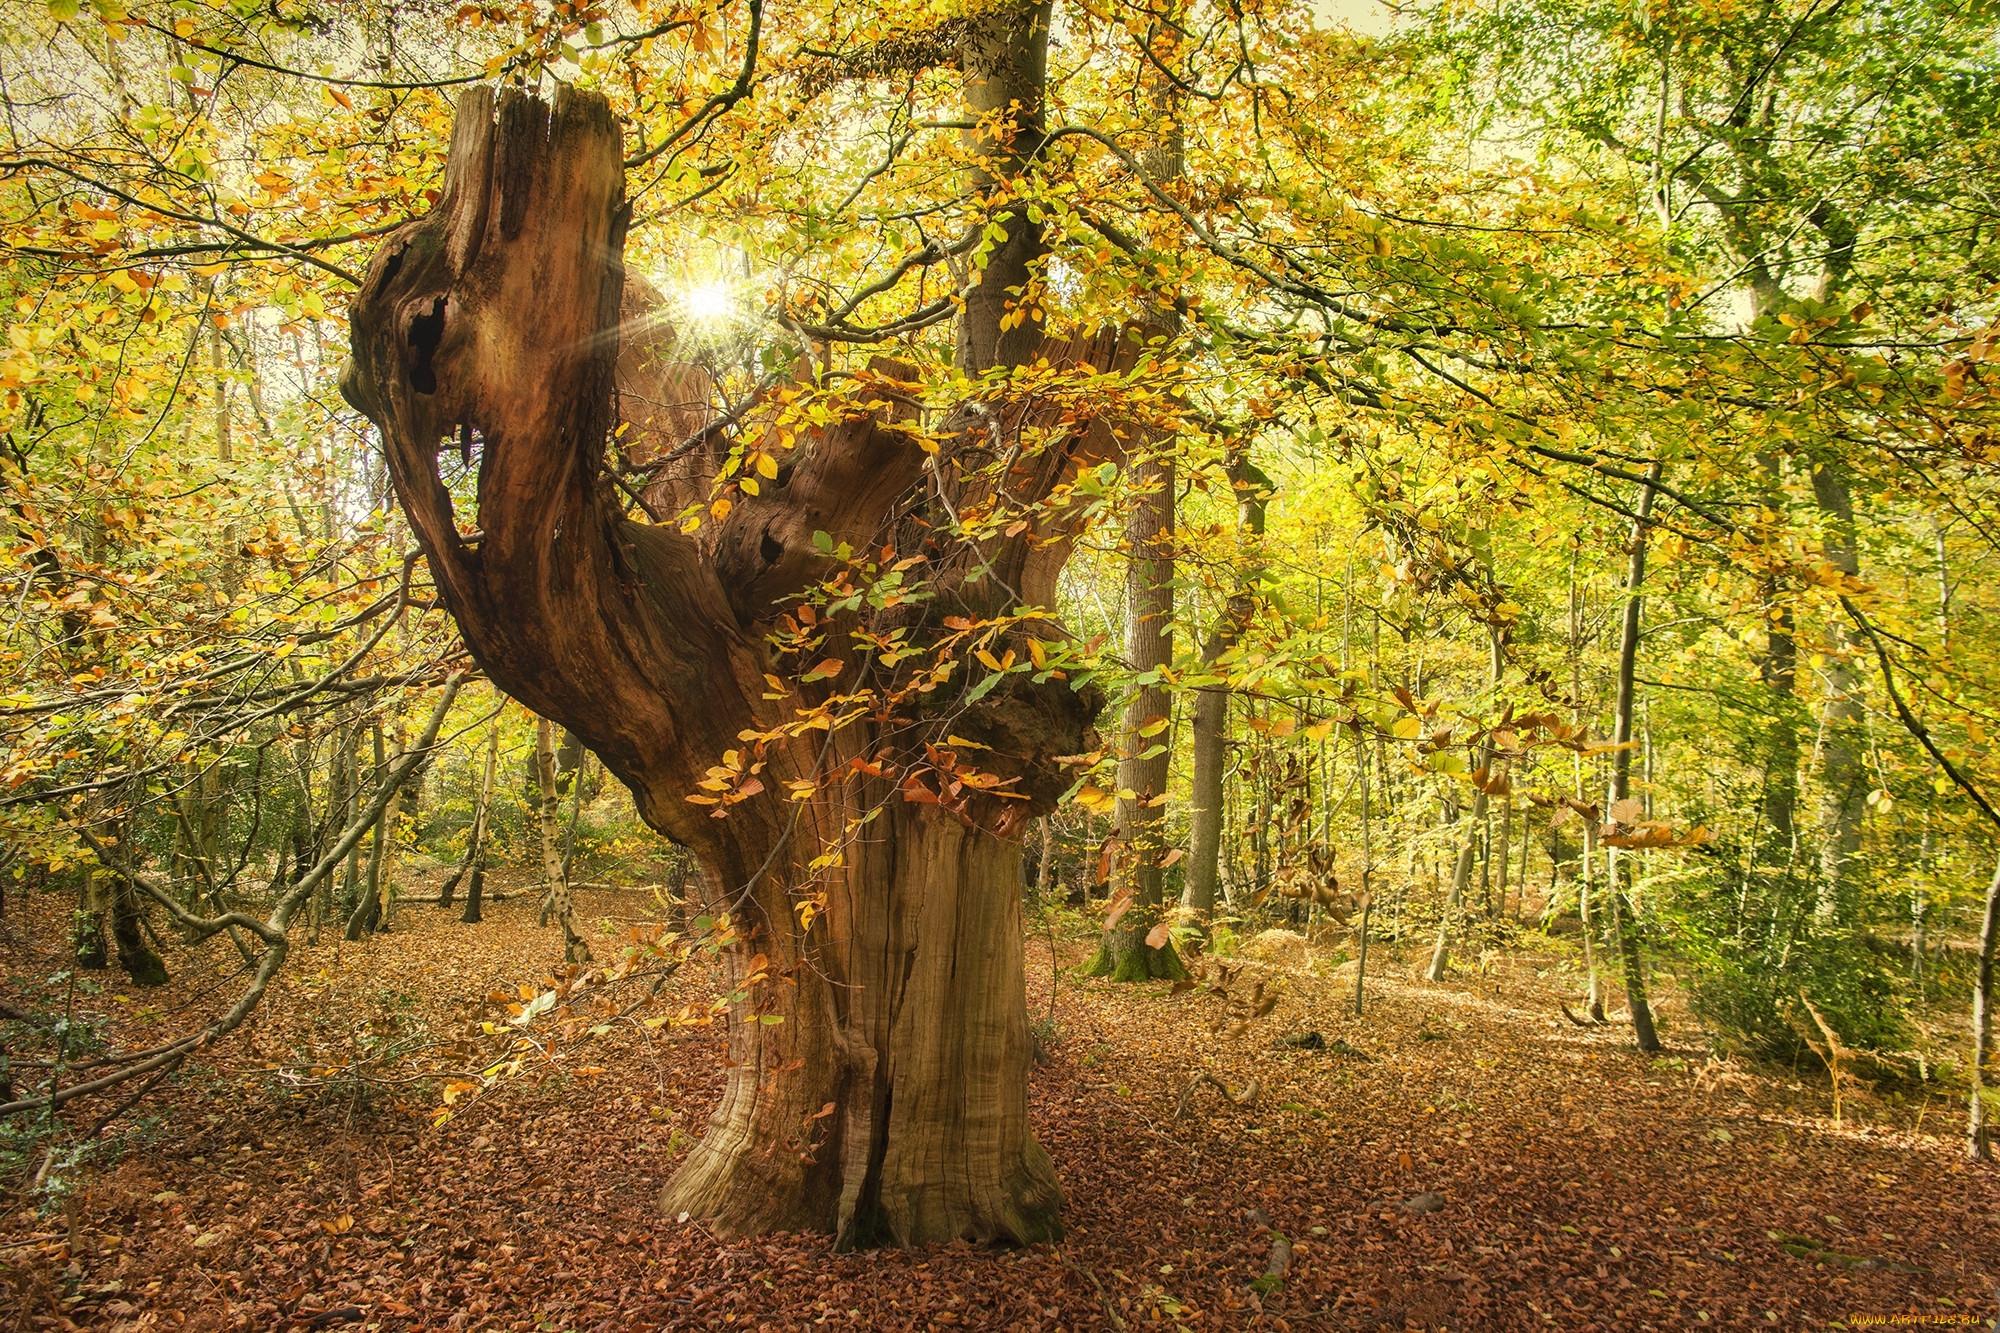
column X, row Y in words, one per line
column 1103, row 1298
column 272, row 931
column 1247, row 1097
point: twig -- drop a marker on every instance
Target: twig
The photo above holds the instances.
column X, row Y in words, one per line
column 1103, row 1298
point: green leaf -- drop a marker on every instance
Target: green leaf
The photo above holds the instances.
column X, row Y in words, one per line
column 62, row 11
column 979, row 691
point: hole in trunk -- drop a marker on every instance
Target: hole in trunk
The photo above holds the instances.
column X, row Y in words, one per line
column 392, row 268
column 426, row 332
column 771, row 549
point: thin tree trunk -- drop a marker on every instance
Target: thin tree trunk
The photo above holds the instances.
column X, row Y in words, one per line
column 1778, row 667
column 1978, row 1133
column 1367, row 874
column 1146, row 739
column 140, row 963
column 1596, row 1002
column 475, row 829
column 87, row 942
column 1461, row 873
column 405, row 794
column 1624, row 918
column 1207, row 801
column 367, row 913
column 1920, row 908
column 350, row 881
column 1146, row 733
column 1045, row 869
column 1843, row 778
column 475, row 890
column 582, row 771
column 556, row 884
column 1461, row 880
column 1587, row 855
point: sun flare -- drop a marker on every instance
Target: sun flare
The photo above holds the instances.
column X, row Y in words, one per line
column 709, row 303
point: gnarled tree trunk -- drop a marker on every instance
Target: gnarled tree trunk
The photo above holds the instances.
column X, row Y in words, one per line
column 899, row 1001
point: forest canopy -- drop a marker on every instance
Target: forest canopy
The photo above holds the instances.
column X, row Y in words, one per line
column 1417, row 478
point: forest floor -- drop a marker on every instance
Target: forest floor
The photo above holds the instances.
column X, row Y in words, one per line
column 1572, row 1183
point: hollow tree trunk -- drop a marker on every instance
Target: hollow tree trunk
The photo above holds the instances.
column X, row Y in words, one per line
column 901, row 998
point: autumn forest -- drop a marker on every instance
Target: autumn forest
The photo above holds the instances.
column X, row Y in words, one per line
column 1082, row 664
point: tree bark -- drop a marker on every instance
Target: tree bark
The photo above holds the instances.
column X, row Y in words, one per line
column 555, row 877
column 1624, row 918
column 889, row 1097
column 1005, row 61
column 1594, row 1003
column 1367, row 876
column 139, row 961
column 1461, row 872
column 1843, row 778
column 475, row 889
column 1210, row 742
column 367, row 915
column 1145, row 741
column 475, row 836
column 1978, row 1133
column 1777, row 665
column 1587, row 855
column 87, row 943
